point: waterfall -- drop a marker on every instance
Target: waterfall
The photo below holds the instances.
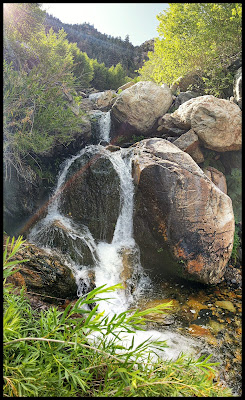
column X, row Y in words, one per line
column 112, row 263
column 105, row 126
column 123, row 244
column 109, row 258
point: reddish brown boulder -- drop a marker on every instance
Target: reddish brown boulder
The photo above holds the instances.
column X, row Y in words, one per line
column 183, row 224
column 44, row 274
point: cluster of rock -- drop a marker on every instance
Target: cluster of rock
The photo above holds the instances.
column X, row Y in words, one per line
column 216, row 122
column 184, row 220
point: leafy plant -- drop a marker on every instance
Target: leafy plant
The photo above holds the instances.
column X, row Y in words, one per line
column 52, row 354
column 234, row 190
column 11, row 248
column 199, row 38
column 236, row 245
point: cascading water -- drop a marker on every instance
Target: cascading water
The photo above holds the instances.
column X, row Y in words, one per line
column 112, row 263
column 107, row 257
column 105, row 126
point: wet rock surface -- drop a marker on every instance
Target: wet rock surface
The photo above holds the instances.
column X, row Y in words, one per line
column 91, row 195
column 44, row 274
column 56, row 235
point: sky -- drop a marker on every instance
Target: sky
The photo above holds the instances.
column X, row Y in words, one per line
column 138, row 20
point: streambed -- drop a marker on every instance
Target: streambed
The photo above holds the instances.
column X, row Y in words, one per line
column 212, row 315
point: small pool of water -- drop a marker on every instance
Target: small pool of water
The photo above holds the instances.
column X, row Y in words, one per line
column 211, row 314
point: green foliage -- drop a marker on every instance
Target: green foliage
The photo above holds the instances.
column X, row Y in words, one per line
column 50, row 355
column 11, row 248
column 82, row 67
column 236, row 245
column 36, row 111
column 117, row 76
column 22, row 20
column 138, row 138
column 234, row 190
column 204, row 38
column 104, row 78
column 100, row 77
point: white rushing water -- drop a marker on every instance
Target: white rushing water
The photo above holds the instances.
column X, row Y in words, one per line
column 108, row 258
column 105, row 126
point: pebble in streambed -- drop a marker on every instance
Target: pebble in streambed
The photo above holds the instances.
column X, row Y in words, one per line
column 210, row 315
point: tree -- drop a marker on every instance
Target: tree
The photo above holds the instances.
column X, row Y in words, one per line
column 22, row 20
column 82, row 67
column 100, row 78
column 116, row 76
column 36, row 115
column 200, row 37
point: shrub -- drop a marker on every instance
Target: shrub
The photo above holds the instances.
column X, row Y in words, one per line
column 50, row 355
column 204, row 38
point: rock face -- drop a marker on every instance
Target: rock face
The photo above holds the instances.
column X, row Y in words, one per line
column 137, row 108
column 217, row 122
column 103, row 100
column 44, row 273
column 183, row 224
column 183, row 97
column 91, row 195
column 190, row 143
column 66, row 240
column 216, row 177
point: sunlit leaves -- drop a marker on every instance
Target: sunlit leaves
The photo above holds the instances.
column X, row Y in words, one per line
column 195, row 36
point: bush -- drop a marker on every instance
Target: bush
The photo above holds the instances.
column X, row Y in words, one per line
column 50, row 355
column 36, row 113
column 201, row 38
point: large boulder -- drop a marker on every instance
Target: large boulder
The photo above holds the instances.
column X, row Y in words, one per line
column 183, row 223
column 217, row 122
column 91, row 194
column 137, row 109
column 44, row 274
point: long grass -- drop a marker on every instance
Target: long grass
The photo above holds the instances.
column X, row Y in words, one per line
column 51, row 354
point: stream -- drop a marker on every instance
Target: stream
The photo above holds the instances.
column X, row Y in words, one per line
column 203, row 319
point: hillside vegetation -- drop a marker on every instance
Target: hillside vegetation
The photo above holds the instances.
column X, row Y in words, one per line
column 39, row 70
column 105, row 48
